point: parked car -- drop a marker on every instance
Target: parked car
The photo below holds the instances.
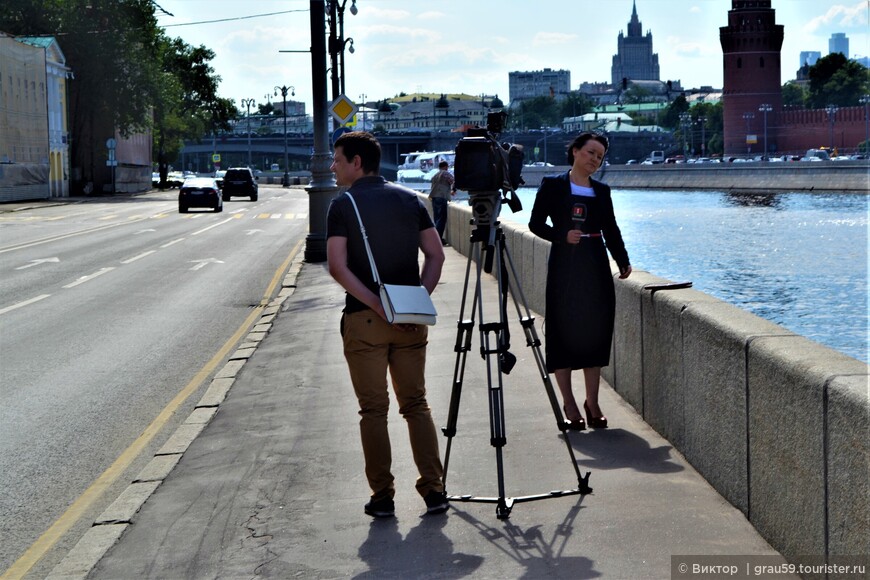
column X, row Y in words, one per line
column 200, row 192
column 240, row 181
column 155, row 179
column 174, row 179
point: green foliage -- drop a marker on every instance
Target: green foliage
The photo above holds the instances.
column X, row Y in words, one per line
column 186, row 103
column 793, row 95
column 836, row 80
column 539, row 112
column 670, row 117
column 127, row 74
column 635, row 95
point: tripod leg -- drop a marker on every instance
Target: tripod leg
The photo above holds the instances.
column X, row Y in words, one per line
column 527, row 321
column 498, row 433
column 461, row 347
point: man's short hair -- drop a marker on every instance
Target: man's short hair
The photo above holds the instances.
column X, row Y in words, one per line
column 365, row 145
column 443, row 165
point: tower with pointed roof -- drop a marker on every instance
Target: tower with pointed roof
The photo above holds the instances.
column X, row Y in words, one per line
column 634, row 59
column 751, row 47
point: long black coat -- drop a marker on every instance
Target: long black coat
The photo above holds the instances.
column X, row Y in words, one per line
column 580, row 299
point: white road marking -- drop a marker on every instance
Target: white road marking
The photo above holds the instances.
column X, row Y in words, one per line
column 25, row 303
column 84, row 279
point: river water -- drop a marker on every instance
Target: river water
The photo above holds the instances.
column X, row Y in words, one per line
column 797, row 259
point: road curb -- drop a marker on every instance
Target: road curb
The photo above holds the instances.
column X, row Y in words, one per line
column 110, row 526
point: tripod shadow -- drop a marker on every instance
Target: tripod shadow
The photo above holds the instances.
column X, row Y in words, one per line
column 540, row 557
column 424, row 552
column 618, row 449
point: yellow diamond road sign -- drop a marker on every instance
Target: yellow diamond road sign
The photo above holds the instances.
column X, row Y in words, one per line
column 343, row 109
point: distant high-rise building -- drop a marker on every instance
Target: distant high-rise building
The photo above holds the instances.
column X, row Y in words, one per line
column 809, row 57
column 634, row 59
column 539, row 83
column 839, row 42
column 751, row 47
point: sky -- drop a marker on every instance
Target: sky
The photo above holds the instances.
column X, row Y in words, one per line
column 470, row 46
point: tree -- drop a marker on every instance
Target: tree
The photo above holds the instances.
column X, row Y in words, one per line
column 636, row 94
column 536, row 113
column 186, row 104
column 575, row 105
column 836, row 80
column 128, row 74
column 793, row 95
column 110, row 45
column 670, row 117
column 713, row 125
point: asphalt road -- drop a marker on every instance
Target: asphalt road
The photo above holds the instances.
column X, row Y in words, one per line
column 111, row 312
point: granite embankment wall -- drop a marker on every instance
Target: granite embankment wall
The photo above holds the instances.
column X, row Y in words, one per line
column 778, row 424
column 835, row 176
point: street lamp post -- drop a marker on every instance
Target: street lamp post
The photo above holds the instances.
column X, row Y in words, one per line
column 685, row 121
column 765, row 108
column 831, row 110
column 248, row 103
column 322, row 188
column 748, row 118
column 337, row 42
column 702, row 121
column 285, row 180
column 865, row 100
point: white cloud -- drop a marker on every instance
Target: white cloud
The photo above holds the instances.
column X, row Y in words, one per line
column 841, row 16
column 551, row 38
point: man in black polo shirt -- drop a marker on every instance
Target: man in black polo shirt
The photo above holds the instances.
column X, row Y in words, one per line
column 397, row 225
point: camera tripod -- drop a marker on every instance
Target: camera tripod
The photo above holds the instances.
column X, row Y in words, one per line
column 488, row 249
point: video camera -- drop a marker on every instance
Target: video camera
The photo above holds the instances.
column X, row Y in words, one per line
column 488, row 170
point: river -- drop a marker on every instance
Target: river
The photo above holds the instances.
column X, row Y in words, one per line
column 797, row 259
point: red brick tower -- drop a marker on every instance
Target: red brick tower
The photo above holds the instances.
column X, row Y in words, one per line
column 751, row 45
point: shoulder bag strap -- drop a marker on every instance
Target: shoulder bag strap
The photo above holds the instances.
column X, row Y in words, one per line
column 362, row 229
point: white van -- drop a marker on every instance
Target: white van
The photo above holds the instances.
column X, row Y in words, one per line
column 657, row 156
column 274, row 167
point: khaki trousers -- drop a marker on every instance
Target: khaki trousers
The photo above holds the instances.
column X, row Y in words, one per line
column 372, row 346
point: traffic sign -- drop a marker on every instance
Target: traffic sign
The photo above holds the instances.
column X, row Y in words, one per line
column 343, row 109
column 216, row 158
column 338, row 133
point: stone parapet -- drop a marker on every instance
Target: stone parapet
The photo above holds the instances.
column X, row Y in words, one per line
column 824, row 176
column 778, row 424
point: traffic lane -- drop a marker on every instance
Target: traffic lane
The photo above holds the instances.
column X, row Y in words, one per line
column 82, row 392
column 28, row 271
column 37, row 223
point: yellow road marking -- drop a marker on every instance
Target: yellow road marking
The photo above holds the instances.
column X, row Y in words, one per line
column 76, row 511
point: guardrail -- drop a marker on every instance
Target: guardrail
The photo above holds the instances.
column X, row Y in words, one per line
column 778, row 424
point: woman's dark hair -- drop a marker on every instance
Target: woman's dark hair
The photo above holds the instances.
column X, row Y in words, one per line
column 365, row 145
column 582, row 139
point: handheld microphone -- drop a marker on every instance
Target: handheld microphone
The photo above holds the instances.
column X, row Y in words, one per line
column 578, row 215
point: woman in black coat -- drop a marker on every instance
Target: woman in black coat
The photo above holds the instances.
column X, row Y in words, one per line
column 580, row 299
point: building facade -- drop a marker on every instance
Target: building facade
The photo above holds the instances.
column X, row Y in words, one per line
column 57, row 75
column 839, row 42
column 434, row 114
column 24, row 122
column 539, row 83
column 809, row 58
column 634, row 59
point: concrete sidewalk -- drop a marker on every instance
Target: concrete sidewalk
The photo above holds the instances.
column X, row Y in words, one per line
column 273, row 486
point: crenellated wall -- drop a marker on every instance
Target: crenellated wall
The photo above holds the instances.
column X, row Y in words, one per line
column 778, row 424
